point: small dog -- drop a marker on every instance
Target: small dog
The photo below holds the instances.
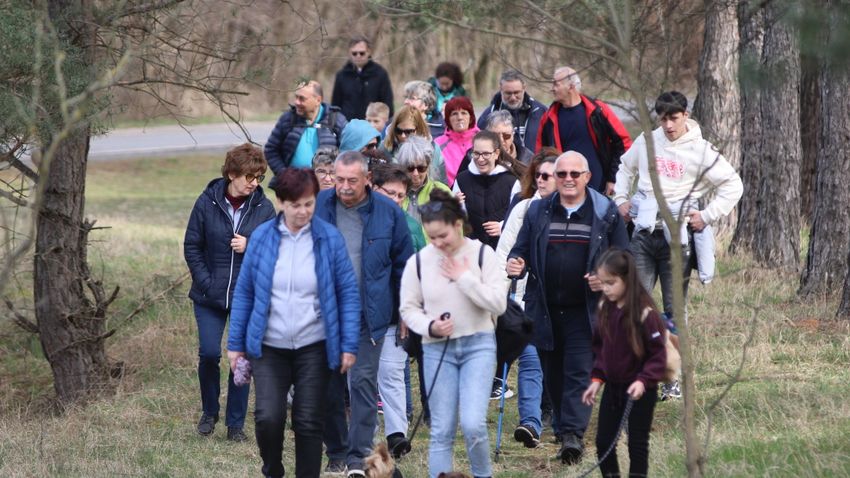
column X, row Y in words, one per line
column 453, row 474
column 380, row 464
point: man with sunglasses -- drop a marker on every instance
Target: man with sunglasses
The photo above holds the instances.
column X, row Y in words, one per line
column 361, row 81
column 558, row 245
column 301, row 130
column 525, row 111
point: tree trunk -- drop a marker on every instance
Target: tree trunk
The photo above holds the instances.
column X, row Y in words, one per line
column 844, row 308
column 717, row 106
column 777, row 237
column 810, row 126
column 751, row 27
column 829, row 242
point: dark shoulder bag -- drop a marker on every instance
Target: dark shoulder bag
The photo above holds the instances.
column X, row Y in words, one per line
column 412, row 344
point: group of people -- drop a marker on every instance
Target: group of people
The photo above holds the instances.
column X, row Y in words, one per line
column 414, row 221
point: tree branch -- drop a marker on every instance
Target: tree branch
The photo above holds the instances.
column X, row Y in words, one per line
column 19, row 319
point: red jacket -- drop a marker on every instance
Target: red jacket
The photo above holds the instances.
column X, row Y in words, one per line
column 609, row 136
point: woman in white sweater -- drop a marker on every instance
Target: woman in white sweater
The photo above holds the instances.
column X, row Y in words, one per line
column 451, row 293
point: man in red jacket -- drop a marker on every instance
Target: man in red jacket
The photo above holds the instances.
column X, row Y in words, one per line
column 580, row 123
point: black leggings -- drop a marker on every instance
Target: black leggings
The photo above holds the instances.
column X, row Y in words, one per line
column 614, row 399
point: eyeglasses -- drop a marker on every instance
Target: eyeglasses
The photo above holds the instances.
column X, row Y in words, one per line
column 392, row 194
column 572, row 174
column 358, row 53
column 507, row 136
column 483, row 154
column 250, row 178
column 512, row 93
column 420, row 169
column 544, row 176
column 323, row 173
column 431, row 207
column 404, row 132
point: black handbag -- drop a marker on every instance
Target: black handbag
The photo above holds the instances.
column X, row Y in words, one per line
column 412, row 344
column 514, row 330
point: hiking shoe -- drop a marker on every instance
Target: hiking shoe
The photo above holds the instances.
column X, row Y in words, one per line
column 671, row 390
column 527, row 436
column 236, row 434
column 206, row 425
column 571, row 449
column 356, row 473
column 335, row 467
column 496, row 393
column 398, row 445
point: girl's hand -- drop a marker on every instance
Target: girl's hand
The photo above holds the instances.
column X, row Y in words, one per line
column 402, row 330
column 636, row 390
column 589, row 395
column 493, row 228
column 232, row 356
column 442, row 327
column 453, row 269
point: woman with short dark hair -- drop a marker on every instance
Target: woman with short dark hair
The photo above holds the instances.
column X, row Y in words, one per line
column 447, row 82
column 222, row 220
column 296, row 315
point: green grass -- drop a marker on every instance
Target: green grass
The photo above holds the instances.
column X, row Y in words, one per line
column 789, row 415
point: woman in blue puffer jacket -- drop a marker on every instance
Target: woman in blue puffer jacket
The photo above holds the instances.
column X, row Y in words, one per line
column 224, row 216
column 296, row 315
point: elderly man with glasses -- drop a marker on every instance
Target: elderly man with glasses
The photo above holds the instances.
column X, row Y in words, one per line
column 361, row 81
column 525, row 111
column 558, row 245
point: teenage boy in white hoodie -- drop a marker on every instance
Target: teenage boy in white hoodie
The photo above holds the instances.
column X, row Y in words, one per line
column 689, row 167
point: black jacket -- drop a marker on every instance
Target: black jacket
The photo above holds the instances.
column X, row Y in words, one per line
column 487, row 199
column 206, row 245
column 526, row 118
column 354, row 90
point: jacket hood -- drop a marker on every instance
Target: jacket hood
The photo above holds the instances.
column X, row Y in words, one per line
column 215, row 190
column 357, row 134
column 369, row 69
column 473, row 168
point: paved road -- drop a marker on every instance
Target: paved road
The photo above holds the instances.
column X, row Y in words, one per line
column 127, row 143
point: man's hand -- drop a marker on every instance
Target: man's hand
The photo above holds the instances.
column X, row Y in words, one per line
column 346, row 361
column 515, row 266
column 636, row 390
column 624, row 210
column 609, row 188
column 589, row 395
column 493, row 228
column 403, row 331
column 232, row 357
column 238, row 243
column 442, row 327
column 593, row 282
column 452, row 268
column 695, row 220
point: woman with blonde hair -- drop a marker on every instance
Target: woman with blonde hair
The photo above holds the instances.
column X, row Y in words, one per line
column 408, row 122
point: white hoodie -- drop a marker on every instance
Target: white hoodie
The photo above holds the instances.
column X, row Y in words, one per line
column 680, row 164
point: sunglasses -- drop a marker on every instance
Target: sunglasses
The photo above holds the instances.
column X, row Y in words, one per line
column 404, row 132
column 544, row 176
column 358, row 53
column 421, row 169
column 250, row 178
column 572, row 174
column 431, row 207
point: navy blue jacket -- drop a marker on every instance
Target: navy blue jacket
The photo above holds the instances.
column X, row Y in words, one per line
column 206, row 245
column 354, row 90
column 284, row 138
column 386, row 248
column 337, row 287
column 526, row 119
column 607, row 230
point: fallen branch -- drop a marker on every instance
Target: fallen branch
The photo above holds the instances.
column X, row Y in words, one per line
column 19, row 319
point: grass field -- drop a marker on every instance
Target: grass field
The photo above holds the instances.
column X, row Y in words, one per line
column 788, row 416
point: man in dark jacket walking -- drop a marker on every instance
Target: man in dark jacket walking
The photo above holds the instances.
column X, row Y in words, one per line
column 525, row 110
column 580, row 123
column 378, row 242
column 361, row 81
column 302, row 129
column 561, row 238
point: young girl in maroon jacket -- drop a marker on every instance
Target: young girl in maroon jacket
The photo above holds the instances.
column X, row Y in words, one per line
column 630, row 359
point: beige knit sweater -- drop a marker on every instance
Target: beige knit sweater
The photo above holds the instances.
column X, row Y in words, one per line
column 474, row 301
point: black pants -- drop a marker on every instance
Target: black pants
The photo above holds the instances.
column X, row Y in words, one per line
column 614, row 399
column 278, row 369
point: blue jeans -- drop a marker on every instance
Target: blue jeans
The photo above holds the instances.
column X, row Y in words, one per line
column 462, row 388
column 530, row 381
column 211, row 323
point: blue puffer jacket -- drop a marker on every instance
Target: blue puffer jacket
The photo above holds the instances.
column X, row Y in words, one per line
column 607, row 230
column 284, row 138
column 206, row 245
column 338, row 296
column 386, row 248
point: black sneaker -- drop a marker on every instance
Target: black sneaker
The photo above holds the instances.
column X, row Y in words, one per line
column 496, row 392
column 236, row 434
column 527, row 436
column 571, row 449
column 335, row 467
column 356, row 473
column 398, row 445
column 206, row 425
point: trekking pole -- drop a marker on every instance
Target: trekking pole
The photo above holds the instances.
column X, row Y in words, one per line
column 501, row 412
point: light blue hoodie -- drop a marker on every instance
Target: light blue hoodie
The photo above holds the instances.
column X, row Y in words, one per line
column 357, row 134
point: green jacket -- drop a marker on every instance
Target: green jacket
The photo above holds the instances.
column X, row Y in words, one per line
column 417, row 234
column 416, row 199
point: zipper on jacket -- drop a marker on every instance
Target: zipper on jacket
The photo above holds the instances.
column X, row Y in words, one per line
column 233, row 254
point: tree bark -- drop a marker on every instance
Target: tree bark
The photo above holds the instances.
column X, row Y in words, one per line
column 718, row 105
column 844, row 308
column 751, row 28
column 777, row 236
column 810, row 127
column 829, row 242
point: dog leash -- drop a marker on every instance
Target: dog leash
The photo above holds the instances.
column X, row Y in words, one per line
column 626, row 411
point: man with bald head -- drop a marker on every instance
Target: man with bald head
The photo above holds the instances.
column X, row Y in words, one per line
column 561, row 238
column 580, row 123
column 302, row 129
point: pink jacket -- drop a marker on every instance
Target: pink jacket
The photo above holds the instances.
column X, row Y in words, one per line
column 454, row 146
